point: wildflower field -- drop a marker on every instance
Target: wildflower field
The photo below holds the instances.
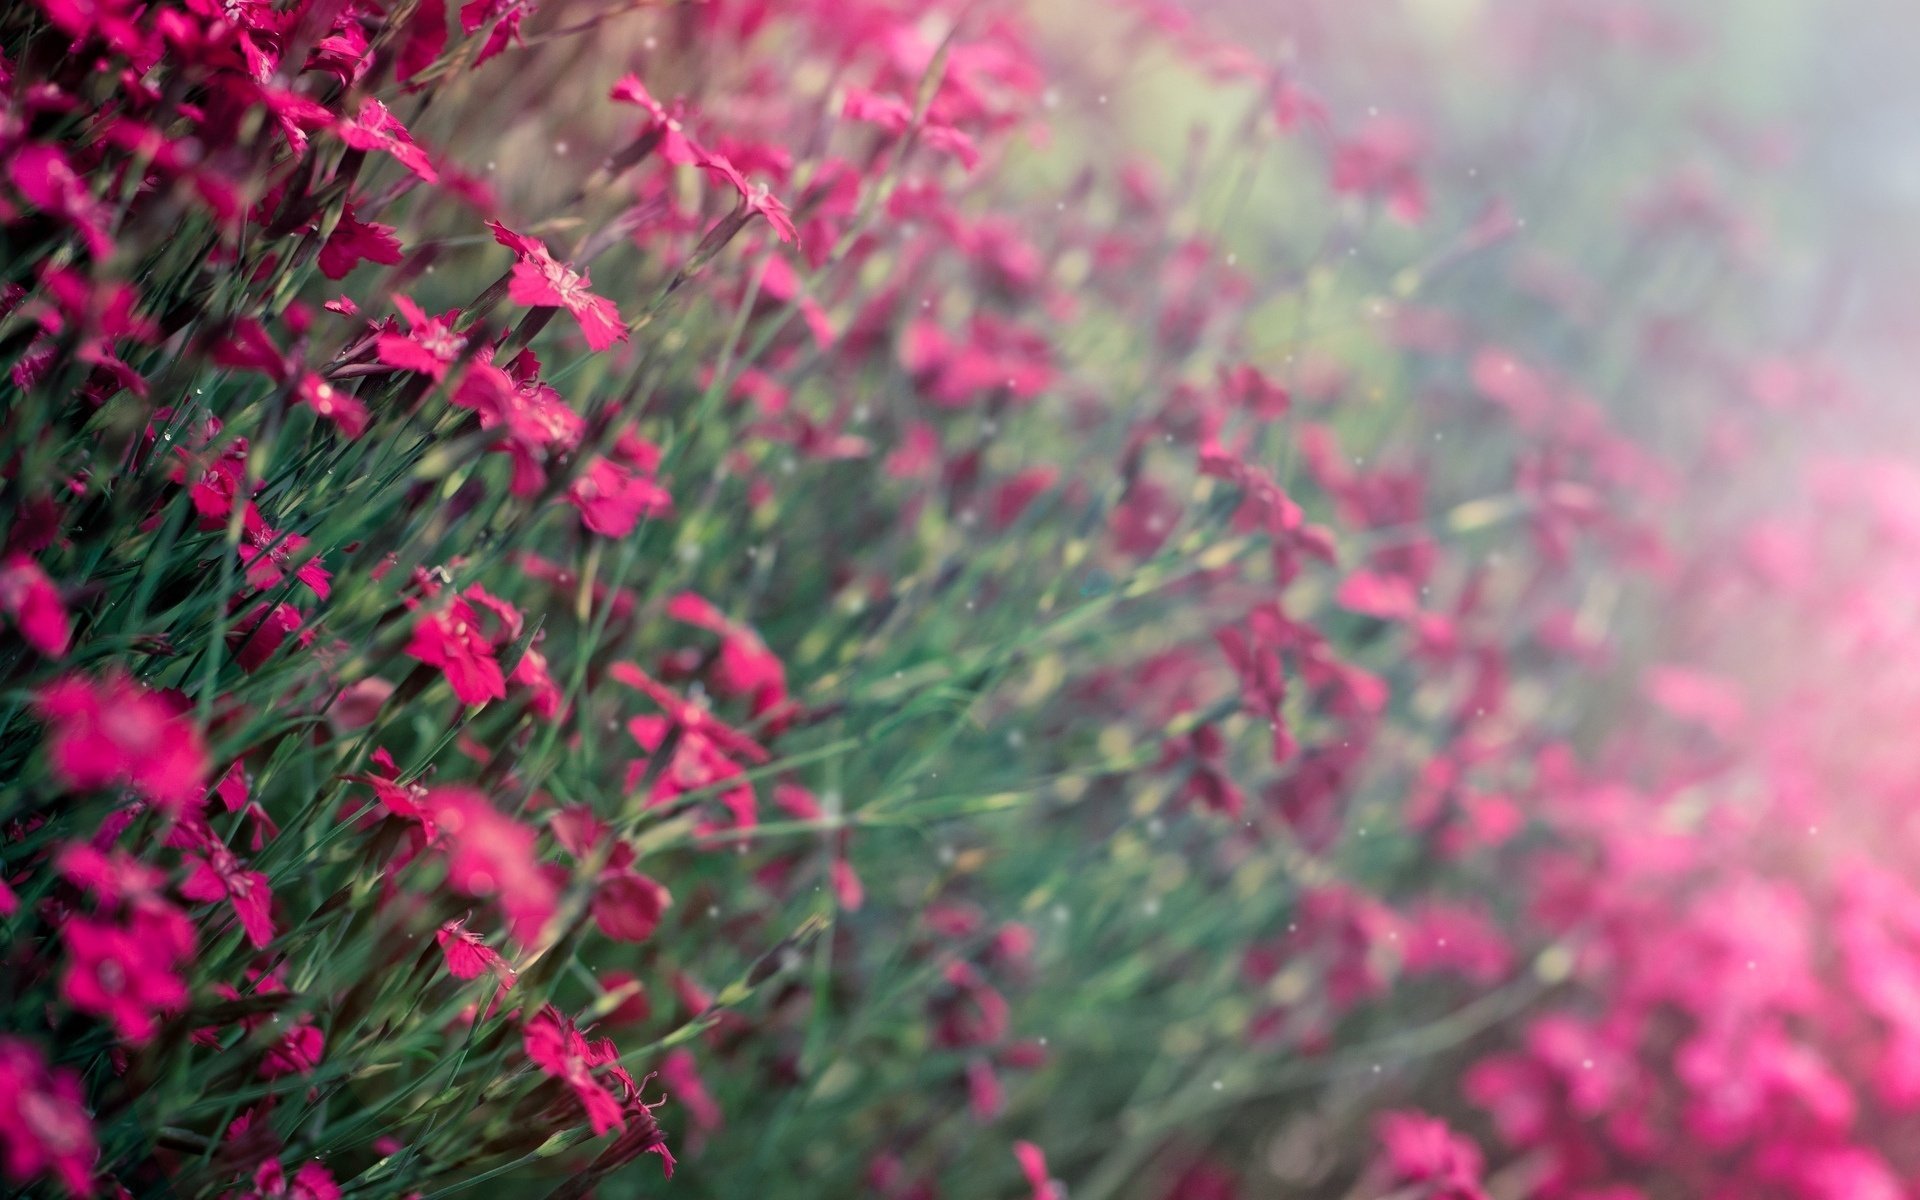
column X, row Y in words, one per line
column 948, row 599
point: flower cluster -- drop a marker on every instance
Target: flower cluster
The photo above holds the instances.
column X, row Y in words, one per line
column 822, row 555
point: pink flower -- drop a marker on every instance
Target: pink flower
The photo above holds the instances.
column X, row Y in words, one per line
column 614, row 496
column 1419, row 1149
column 1383, row 160
column 1254, row 652
column 456, row 640
column 680, row 1074
column 43, row 175
column 426, row 39
column 128, row 974
column 260, row 631
column 533, row 422
column 344, row 409
column 491, row 854
column 890, row 113
column 539, row 280
column 953, row 143
column 32, row 602
column 374, row 128
column 311, row 1182
column 628, row 906
column 662, row 124
column 557, row 1048
column 1247, row 388
column 1033, row 1165
column 506, row 16
column 44, row 1124
column 298, row 1053
column 467, row 956
column 353, row 242
column 532, row 676
column 214, row 874
column 113, row 731
column 266, row 552
column 429, row 346
column 753, row 198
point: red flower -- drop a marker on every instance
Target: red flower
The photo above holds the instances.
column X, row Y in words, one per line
column 44, row 1126
column 32, row 602
column 539, row 280
column 113, row 731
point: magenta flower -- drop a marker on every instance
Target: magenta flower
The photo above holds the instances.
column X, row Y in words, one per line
column 468, row 957
column 127, row 974
column 557, row 1048
column 32, row 602
column 1383, row 160
column 890, row 113
column 533, row 422
column 458, row 640
column 628, row 906
column 214, row 874
column 753, row 198
column 532, row 676
column 45, row 1128
column 266, row 553
column 662, row 123
column 541, row 281
column 353, row 242
column 506, row 16
column 311, row 1182
column 613, row 497
column 745, row 667
column 491, row 854
column 45, row 177
column 329, row 403
column 430, row 345
column 1033, row 1165
column 1420, row 1150
column 374, row 128
column 114, row 732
